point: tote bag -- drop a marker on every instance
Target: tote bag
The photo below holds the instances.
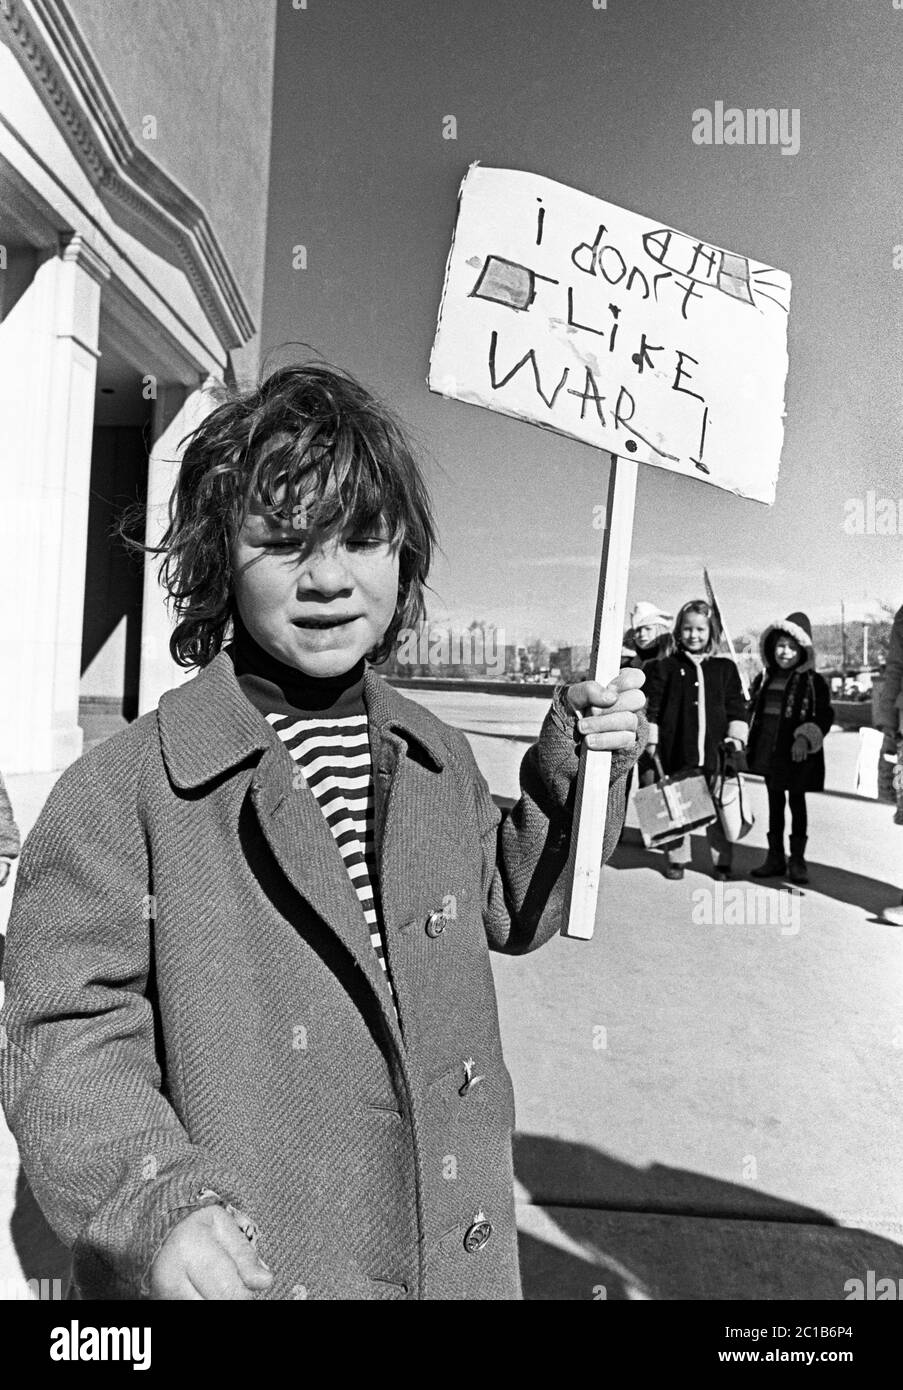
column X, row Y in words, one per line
column 732, row 803
column 673, row 806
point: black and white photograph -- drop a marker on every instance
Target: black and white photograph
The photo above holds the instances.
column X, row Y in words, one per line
column 451, row 663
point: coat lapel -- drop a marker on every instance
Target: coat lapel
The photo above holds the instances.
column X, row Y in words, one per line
column 394, row 721
column 208, row 727
column 305, row 849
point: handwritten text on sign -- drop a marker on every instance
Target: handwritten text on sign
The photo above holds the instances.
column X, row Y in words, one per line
column 595, row 322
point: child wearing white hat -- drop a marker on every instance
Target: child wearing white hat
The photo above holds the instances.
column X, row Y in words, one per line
column 650, row 632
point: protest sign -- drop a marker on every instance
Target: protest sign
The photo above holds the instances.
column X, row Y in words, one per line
column 577, row 315
column 568, row 312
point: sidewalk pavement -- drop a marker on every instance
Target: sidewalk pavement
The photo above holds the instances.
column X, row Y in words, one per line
column 708, row 1092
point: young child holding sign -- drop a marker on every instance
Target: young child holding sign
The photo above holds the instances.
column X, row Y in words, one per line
column 249, row 1006
column 695, row 704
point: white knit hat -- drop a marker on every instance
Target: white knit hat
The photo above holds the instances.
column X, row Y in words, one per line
column 647, row 615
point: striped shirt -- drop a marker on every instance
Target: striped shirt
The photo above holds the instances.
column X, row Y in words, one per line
column 323, row 724
column 334, row 756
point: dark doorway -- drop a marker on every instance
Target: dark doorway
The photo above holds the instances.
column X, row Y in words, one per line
column 114, row 580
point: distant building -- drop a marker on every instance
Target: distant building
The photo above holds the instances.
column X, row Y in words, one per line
column 561, row 662
column 134, row 170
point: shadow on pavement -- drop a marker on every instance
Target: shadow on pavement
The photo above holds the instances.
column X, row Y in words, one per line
column 666, row 1233
column 870, row 894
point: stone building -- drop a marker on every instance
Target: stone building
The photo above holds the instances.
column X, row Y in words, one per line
column 134, row 168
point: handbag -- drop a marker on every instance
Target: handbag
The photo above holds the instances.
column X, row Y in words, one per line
column 673, row 806
column 731, row 801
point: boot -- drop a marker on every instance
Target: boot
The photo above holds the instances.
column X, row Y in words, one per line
column 796, row 870
column 775, row 865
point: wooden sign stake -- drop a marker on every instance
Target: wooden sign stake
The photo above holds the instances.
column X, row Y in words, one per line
column 591, row 797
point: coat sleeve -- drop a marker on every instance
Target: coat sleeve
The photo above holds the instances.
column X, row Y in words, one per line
column 106, row 1156
column 891, row 706
column 9, row 831
column 526, row 848
column 815, row 730
column 735, row 704
column 754, row 690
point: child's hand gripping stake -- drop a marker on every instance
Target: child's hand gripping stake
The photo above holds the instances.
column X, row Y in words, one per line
column 608, row 715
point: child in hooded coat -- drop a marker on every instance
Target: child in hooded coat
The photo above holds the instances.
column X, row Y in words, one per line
column 790, row 713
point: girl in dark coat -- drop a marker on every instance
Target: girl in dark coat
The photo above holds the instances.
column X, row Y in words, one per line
column 790, row 712
column 695, row 704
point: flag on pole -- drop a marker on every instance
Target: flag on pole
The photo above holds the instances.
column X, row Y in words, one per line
column 713, row 604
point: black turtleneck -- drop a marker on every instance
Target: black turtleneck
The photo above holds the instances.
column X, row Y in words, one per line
column 273, row 686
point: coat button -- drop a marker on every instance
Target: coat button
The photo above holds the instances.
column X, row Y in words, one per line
column 436, row 923
column 478, row 1233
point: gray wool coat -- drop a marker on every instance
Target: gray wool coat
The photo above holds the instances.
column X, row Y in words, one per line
column 194, row 1012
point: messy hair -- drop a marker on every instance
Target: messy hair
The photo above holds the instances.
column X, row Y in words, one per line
column 703, row 610
column 328, row 439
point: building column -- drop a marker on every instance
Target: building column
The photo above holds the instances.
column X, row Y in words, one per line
column 48, row 370
column 177, row 411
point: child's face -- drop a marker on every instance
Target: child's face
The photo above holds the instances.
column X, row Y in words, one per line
column 694, row 632
column 322, row 613
column 644, row 636
column 787, row 651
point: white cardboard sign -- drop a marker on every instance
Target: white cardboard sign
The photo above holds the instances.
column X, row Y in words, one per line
column 576, row 315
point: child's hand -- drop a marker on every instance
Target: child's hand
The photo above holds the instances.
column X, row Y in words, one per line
column 609, row 713
column 207, row 1256
column 800, row 749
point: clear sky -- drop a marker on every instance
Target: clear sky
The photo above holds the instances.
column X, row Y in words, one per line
column 602, row 99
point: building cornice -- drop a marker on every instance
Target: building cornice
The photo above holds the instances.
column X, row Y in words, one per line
column 77, row 249
column 48, row 44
